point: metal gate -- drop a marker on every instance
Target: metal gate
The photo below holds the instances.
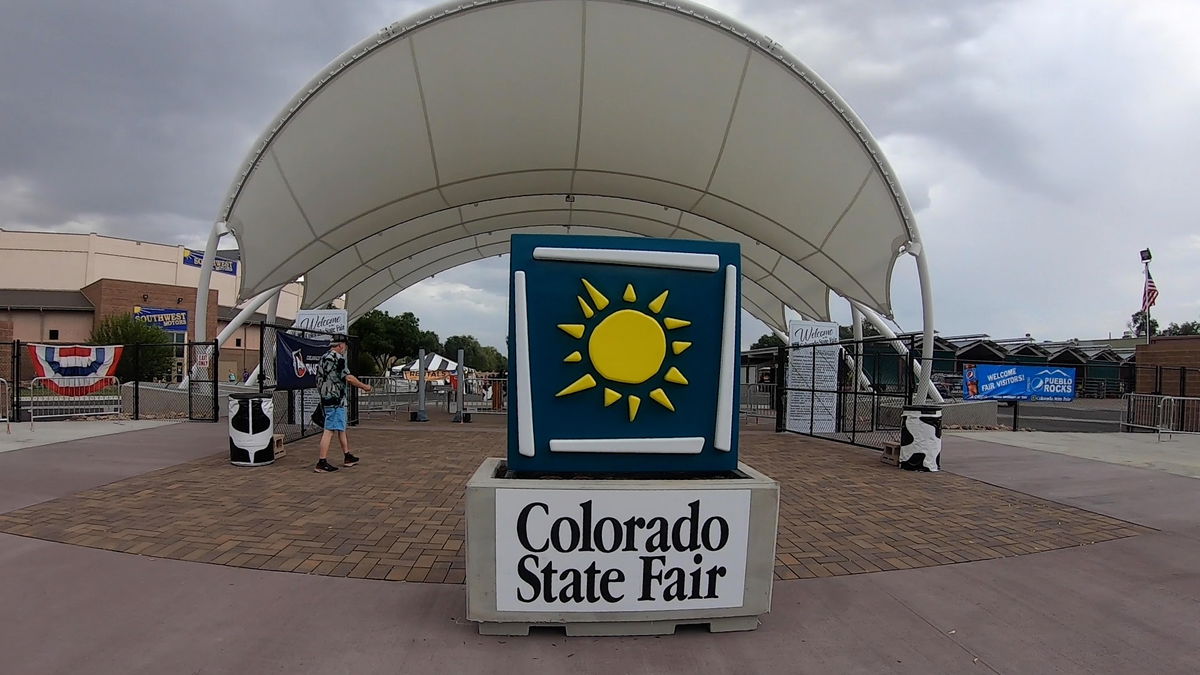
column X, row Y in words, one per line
column 203, row 358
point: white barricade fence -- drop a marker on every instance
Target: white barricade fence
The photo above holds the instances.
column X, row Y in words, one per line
column 1162, row 414
column 1179, row 415
column 5, row 402
column 486, row 395
column 1142, row 411
column 758, row 401
column 388, row 395
column 70, row 397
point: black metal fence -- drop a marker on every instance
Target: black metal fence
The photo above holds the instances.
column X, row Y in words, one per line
column 148, row 384
column 822, row 395
column 819, row 393
column 294, row 408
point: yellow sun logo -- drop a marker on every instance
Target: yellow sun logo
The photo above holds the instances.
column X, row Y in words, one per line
column 628, row 346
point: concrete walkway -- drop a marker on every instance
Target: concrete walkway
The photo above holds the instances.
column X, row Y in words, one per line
column 1131, row 605
column 1178, row 454
column 46, row 433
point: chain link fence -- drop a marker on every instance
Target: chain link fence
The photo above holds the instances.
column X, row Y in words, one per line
column 146, row 384
column 822, row 395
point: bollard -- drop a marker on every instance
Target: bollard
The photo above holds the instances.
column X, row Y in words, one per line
column 420, row 414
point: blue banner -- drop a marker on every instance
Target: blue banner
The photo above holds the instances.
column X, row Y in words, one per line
column 196, row 259
column 1018, row 383
column 296, row 361
column 171, row 320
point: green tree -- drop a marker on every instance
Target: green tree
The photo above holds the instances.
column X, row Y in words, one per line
column 375, row 331
column 1137, row 324
column 472, row 350
column 868, row 330
column 388, row 339
column 366, row 366
column 143, row 363
column 427, row 340
column 768, row 340
column 475, row 355
column 1185, row 328
column 497, row 362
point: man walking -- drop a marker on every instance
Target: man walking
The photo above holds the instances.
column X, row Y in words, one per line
column 333, row 374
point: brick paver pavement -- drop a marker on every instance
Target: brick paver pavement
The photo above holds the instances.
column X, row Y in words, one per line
column 399, row 514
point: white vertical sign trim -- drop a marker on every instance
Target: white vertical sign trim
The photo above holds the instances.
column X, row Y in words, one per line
column 723, row 439
column 524, row 386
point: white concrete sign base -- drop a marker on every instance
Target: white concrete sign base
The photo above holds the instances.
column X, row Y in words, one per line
column 619, row 556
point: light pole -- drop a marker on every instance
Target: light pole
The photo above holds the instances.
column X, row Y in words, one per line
column 1145, row 253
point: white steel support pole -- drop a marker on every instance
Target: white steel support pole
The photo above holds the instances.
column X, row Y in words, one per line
column 876, row 321
column 273, row 307
column 247, row 312
column 856, row 321
column 206, row 267
column 925, row 389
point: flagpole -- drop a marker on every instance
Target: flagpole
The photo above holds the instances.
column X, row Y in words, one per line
column 1145, row 285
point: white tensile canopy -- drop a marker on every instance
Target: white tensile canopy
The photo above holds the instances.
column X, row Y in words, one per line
column 427, row 145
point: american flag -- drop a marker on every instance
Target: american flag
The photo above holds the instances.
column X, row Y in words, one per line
column 1150, row 294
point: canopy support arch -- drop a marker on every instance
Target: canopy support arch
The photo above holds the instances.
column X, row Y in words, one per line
column 554, row 97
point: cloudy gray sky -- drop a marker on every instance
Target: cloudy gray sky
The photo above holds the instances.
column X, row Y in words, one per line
column 1042, row 144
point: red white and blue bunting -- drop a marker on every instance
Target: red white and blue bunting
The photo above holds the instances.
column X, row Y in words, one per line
column 75, row 370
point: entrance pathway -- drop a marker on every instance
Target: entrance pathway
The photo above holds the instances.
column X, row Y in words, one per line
column 46, row 433
column 1178, row 454
column 399, row 514
column 1129, row 605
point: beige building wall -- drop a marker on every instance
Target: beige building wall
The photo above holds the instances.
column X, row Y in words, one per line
column 33, row 325
column 68, row 262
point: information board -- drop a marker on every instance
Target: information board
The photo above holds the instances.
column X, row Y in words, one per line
column 812, row 377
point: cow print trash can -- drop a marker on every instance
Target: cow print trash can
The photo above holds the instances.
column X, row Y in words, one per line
column 921, row 438
column 251, row 429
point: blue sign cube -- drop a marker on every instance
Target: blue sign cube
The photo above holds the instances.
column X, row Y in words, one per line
column 623, row 355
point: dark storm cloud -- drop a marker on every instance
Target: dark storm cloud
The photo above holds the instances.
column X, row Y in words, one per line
column 134, row 112
column 1041, row 143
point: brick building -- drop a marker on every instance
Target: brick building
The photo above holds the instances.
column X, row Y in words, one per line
column 55, row 288
column 1169, row 365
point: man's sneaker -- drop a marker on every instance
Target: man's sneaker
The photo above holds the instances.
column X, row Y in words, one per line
column 349, row 460
column 323, row 466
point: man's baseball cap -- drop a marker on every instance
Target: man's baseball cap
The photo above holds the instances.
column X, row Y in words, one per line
column 337, row 339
